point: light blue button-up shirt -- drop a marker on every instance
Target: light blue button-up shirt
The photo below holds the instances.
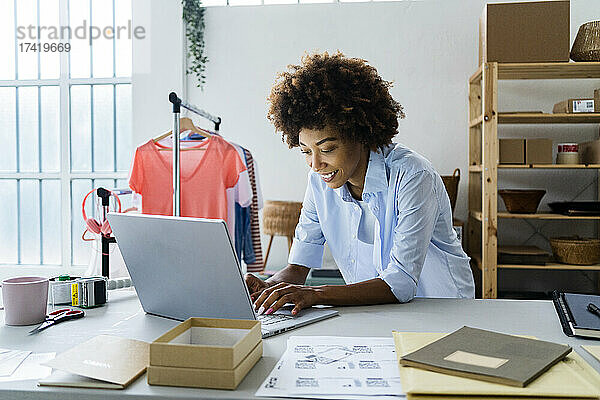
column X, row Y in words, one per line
column 415, row 249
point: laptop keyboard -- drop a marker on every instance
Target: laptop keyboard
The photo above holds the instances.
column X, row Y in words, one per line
column 273, row 318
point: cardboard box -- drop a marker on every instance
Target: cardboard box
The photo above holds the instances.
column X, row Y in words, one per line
column 512, row 151
column 589, row 152
column 538, row 151
column 597, row 100
column 525, row 32
column 205, row 378
column 570, row 106
column 206, row 343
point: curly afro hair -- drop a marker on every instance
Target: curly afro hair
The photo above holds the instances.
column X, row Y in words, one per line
column 343, row 93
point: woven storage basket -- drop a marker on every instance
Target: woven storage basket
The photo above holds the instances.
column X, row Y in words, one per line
column 577, row 251
column 521, row 201
column 586, row 46
column 280, row 217
column 451, row 183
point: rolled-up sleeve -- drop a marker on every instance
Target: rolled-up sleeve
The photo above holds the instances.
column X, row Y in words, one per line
column 417, row 208
column 308, row 245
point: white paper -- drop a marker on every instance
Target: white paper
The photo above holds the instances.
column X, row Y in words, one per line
column 67, row 379
column 31, row 368
column 10, row 360
column 335, row 367
column 583, row 106
column 272, row 388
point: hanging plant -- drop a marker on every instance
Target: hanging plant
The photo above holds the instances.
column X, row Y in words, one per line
column 193, row 16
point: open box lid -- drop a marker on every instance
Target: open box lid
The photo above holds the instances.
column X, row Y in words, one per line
column 206, row 343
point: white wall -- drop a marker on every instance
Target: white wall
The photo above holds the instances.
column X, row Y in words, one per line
column 428, row 48
column 157, row 66
column 414, row 44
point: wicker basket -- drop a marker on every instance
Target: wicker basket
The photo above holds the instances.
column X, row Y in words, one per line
column 586, row 46
column 576, row 251
column 522, row 201
column 280, row 217
column 451, row 183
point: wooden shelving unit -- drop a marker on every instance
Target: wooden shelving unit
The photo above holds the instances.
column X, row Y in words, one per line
column 477, row 168
column 539, row 118
column 477, row 261
column 478, row 215
column 525, row 118
column 506, row 71
column 483, row 158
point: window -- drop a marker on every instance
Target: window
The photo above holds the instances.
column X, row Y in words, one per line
column 65, row 122
column 211, row 3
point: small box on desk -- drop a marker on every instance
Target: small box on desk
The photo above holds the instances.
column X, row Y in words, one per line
column 538, row 151
column 525, row 32
column 512, row 151
column 202, row 352
column 205, row 377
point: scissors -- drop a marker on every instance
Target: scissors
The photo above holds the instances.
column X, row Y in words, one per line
column 58, row 316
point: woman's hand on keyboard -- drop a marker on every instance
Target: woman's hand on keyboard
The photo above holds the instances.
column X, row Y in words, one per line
column 255, row 285
column 274, row 297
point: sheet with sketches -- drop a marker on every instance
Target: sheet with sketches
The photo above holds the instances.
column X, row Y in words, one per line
column 335, row 367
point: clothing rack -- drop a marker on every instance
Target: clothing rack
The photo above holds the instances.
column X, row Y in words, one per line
column 177, row 104
column 105, row 240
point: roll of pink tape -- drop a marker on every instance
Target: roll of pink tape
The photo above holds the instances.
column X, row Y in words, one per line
column 25, row 299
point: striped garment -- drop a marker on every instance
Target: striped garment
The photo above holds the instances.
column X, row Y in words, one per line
column 258, row 265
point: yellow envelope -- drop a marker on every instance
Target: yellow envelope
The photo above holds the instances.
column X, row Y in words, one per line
column 571, row 378
column 593, row 350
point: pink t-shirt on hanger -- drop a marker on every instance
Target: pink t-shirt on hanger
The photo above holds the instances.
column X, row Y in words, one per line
column 205, row 177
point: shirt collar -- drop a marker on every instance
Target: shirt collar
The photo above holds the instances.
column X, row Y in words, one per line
column 375, row 179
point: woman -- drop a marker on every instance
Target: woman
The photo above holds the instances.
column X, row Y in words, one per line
column 381, row 207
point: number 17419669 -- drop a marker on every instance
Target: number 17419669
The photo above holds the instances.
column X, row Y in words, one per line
column 44, row 47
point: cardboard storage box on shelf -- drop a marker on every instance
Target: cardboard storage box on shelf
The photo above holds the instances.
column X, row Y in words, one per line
column 589, row 152
column 203, row 352
column 597, row 100
column 538, row 151
column 525, row 32
column 571, row 106
column 512, row 151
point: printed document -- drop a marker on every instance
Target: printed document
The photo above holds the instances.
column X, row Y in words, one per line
column 335, row 367
column 30, row 368
column 10, row 360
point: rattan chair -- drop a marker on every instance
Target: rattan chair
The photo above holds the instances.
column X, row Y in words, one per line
column 279, row 218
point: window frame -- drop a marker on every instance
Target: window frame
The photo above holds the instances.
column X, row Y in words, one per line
column 227, row 3
column 65, row 175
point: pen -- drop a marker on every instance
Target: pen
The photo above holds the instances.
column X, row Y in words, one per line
column 593, row 309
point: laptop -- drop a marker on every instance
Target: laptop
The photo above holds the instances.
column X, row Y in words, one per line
column 186, row 267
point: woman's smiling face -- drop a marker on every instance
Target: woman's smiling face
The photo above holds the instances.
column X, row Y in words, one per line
column 336, row 161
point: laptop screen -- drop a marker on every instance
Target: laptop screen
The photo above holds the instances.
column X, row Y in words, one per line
column 182, row 267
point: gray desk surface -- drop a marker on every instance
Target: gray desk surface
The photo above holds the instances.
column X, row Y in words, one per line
column 123, row 316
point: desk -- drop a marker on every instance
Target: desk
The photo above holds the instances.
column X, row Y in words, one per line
column 123, row 316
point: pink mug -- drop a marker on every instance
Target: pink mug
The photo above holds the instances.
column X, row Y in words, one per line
column 25, row 299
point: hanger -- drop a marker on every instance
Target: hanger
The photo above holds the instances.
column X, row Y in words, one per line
column 185, row 124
